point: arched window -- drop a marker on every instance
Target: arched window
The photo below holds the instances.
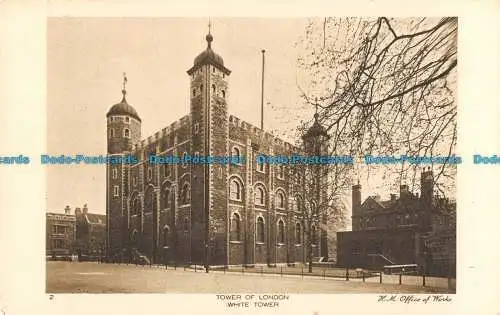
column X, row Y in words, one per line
column 213, row 89
column 223, row 93
column 235, row 227
column 126, row 133
column 235, row 151
column 136, row 207
column 149, row 201
column 260, row 230
column 260, row 196
column 281, row 171
column 133, row 236
column 235, row 189
column 111, row 132
column 281, row 232
column 115, row 173
column 194, row 92
column 127, row 119
column 150, row 173
column 260, row 166
column 280, row 200
column 185, row 194
column 166, row 236
column 184, row 157
column 297, row 205
column 166, row 198
column 201, row 88
column 298, row 233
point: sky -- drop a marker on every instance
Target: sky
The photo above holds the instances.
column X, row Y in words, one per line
column 86, row 59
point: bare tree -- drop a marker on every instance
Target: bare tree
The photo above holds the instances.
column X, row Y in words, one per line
column 385, row 87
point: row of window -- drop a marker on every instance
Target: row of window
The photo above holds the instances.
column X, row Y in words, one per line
column 214, row 91
column 60, row 229
column 398, row 220
column 126, row 133
column 260, row 230
column 150, row 200
column 236, row 231
column 117, row 118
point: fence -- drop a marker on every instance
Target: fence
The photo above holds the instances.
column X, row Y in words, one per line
column 413, row 278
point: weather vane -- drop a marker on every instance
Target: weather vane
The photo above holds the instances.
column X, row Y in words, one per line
column 209, row 25
column 124, row 80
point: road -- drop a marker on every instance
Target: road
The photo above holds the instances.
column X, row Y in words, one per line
column 87, row 277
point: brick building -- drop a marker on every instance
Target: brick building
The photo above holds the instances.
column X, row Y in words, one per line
column 60, row 233
column 216, row 214
column 406, row 229
column 79, row 232
column 90, row 238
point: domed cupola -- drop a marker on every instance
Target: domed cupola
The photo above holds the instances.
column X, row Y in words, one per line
column 123, row 108
column 209, row 57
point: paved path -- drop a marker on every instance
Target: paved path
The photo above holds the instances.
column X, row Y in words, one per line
column 65, row 277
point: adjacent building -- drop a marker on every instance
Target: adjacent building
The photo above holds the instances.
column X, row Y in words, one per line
column 60, row 233
column 90, row 232
column 80, row 232
column 406, row 229
column 214, row 214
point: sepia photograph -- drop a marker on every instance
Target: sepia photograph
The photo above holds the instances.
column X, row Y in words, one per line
column 230, row 155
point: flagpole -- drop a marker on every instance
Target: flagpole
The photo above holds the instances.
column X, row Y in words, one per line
column 262, row 92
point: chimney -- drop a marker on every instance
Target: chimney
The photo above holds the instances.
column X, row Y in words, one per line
column 85, row 209
column 67, row 210
column 78, row 211
column 356, row 197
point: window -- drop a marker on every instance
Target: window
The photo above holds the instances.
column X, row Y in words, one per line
column 235, row 151
column 298, row 233
column 166, row 170
column 260, row 230
column 259, row 196
column 223, row 93
column 136, row 207
column 281, row 232
column 149, row 201
column 185, row 194
column 201, row 88
column 126, row 133
column 150, row 173
column 235, row 227
column 166, row 198
column 115, row 173
column 111, row 132
column 297, row 205
column 184, row 157
column 235, row 189
column 260, row 166
column 134, row 181
column 186, row 225
column 280, row 200
column 127, row 119
column 213, row 69
column 196, row 128
column 116, row 191
column 213, row 89
column 133, row 236
column 194, row 92
column 166, row 236
column 281, row 171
